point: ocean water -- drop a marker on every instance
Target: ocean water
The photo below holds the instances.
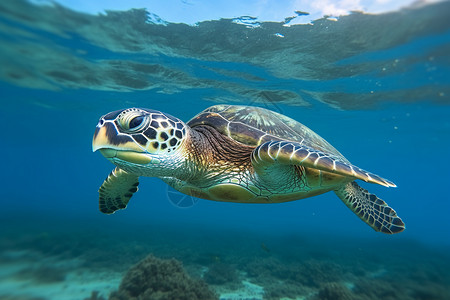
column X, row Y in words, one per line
column 376, row 86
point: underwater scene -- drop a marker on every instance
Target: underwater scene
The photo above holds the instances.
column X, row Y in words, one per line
column 209, row 192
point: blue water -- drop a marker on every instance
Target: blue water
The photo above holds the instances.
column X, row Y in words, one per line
column 377, row 87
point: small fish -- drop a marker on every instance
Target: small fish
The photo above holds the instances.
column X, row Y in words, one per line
column 264, row 247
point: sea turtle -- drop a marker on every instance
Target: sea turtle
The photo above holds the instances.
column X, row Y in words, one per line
column 232, row 153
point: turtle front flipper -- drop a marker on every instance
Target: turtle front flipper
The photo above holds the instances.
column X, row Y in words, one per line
column 293, row 153
column 116, row 190
column 371, row 209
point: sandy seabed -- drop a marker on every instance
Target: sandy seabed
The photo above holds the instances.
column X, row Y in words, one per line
column 81, row 263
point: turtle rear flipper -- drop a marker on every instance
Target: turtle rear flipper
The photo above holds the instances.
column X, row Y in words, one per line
column 116, row 190
column 371, row 209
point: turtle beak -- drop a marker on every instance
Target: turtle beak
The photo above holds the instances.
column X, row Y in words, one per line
column 112, row 146
column 100, row 139
column 106, row 135
column 129, row 156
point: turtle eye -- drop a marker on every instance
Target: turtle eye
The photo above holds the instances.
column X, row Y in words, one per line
column 136, row 122
column 132, row 121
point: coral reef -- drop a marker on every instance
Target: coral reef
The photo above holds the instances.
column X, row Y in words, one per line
column 291, row 279
column 314, row 273
column 221, row 273
column 296, row 267
column 95, row 295
column 154, row 278
column 333, row 291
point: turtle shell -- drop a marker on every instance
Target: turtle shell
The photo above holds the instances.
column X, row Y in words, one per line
column 251, row 125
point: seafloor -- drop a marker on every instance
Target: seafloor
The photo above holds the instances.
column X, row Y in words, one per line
column 63, row 260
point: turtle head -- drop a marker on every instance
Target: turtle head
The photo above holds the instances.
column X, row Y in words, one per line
column 142, row 141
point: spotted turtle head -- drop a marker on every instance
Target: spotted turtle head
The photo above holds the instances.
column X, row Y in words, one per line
column 135, row 139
